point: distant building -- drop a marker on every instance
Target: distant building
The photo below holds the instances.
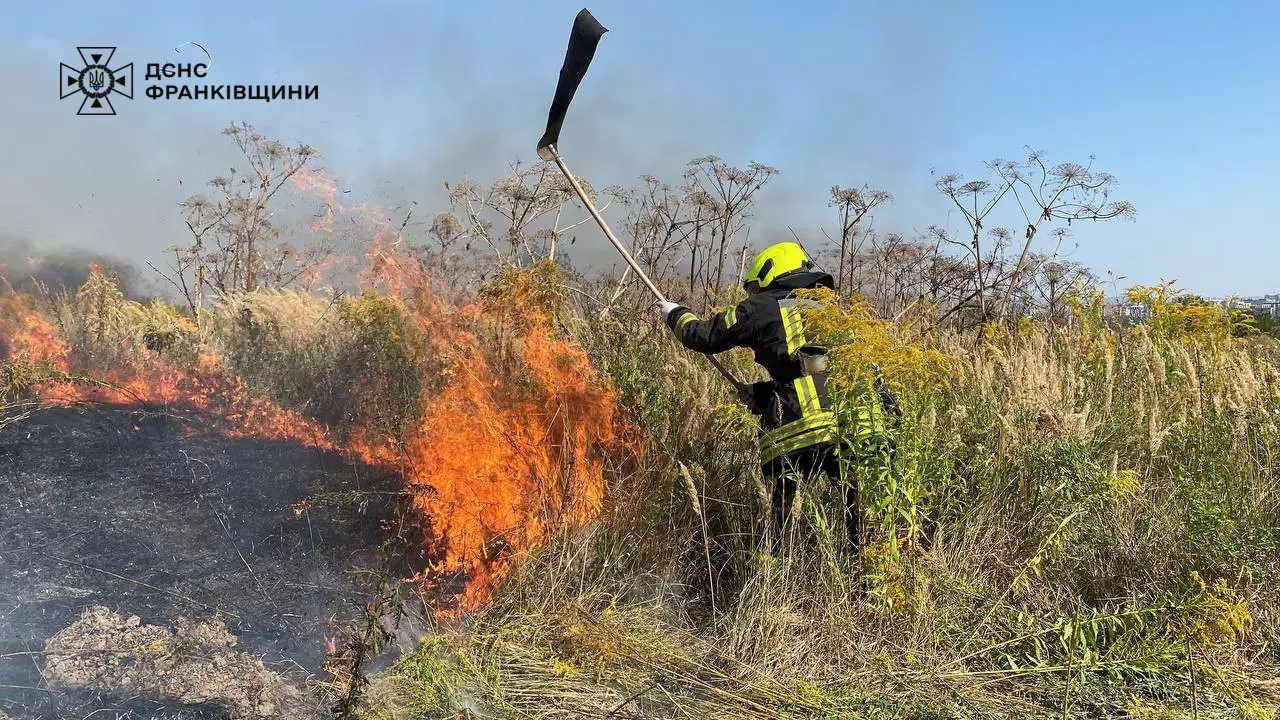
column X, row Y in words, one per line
column 1268, row 304
column 1127, row 313
column 1123, row 312
column 1135, row 312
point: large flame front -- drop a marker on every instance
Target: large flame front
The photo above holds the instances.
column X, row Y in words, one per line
column 512, row 446
column 497, row 466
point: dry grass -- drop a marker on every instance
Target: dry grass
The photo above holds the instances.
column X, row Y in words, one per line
column 1080, row 524
column 1093, row 530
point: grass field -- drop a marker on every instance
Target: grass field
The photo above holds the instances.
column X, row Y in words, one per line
column 1081, row 521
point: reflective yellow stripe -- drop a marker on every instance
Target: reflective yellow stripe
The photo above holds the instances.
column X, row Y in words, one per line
column 793, row 327
column 809, row 439
column 683, row 320
column 793, row 324
column 781, row 434
column 824, row 433
column 807, row 392
column 730, row 317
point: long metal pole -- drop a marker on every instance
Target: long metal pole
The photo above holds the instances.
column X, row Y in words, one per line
column 604, row 226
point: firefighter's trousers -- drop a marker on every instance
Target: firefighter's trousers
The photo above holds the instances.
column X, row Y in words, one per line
column 808, row 465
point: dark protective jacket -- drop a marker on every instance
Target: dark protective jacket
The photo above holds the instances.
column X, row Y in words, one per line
column 794, row 409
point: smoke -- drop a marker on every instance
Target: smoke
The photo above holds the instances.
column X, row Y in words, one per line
column 27, row 269
column 411, row 99
column 80, row 189
column 863, row 98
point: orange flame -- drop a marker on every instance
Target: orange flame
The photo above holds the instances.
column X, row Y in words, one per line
column 209, row 386
column 513, row 448
column 498, row 468
column 26, row 335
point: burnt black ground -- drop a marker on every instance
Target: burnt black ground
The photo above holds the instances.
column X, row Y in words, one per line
column 97, row 504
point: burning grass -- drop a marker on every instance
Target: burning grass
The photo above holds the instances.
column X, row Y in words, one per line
column 499, row 466
column 1081, row 522
column 111, row 343
column 499, row 427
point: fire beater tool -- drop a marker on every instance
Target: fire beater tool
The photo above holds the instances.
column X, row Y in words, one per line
column 583, row 39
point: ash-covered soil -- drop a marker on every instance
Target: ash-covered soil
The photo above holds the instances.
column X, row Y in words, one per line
column 117, row 525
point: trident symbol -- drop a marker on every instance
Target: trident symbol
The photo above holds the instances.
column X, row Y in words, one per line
column 95, row 80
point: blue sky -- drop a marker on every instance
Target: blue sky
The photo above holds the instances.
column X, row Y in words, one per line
column 1178, row 100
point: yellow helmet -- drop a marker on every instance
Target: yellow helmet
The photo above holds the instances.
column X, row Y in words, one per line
column 777, row 260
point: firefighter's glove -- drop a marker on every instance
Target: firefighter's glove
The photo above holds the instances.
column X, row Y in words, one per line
column 756, row 396
column 672, row 312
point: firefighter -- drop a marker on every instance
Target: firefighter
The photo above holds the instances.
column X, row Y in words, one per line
column 799, row 436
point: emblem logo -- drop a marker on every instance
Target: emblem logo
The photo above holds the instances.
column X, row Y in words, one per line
column 96, row 81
